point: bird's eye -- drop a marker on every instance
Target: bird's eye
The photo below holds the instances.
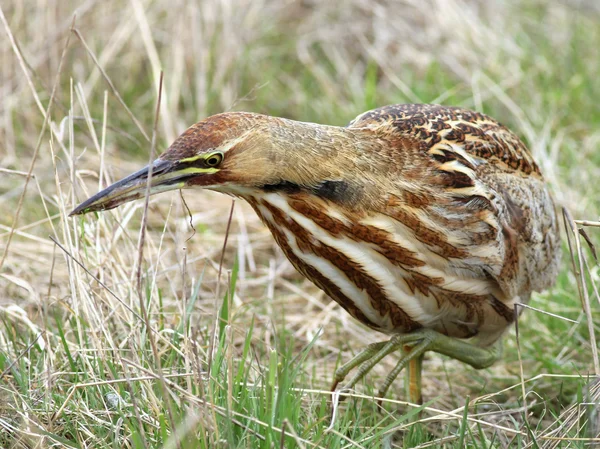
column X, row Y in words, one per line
column 214, row 159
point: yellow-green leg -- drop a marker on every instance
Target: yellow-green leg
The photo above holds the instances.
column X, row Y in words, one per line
column 419, row 341
column 413, row 378
column 362, row 356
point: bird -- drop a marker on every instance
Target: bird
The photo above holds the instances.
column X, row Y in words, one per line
column 426, row 223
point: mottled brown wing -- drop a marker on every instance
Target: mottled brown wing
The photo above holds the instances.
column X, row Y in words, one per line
column 479, row 203
column 479, row 135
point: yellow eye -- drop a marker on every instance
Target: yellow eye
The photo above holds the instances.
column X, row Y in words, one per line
column 214, row 159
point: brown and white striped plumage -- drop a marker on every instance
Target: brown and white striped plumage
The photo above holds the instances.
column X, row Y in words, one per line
column 412, row 216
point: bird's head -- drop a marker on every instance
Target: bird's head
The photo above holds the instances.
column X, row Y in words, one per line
column 226, row 152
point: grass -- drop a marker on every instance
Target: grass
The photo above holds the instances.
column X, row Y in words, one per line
column 185, row 342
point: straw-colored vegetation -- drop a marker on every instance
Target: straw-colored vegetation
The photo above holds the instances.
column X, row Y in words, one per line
column 98, row 351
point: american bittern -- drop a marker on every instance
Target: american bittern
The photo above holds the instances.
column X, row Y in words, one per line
column 424, row 222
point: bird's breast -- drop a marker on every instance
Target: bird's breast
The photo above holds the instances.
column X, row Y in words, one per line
column 376, row 268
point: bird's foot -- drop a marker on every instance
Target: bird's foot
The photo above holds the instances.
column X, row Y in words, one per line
column 419, row 342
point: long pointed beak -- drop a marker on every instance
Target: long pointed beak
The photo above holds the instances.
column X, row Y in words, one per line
column 165, row 176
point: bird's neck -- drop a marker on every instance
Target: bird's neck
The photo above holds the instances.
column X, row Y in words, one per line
column 306, row 153
column 328, row 162
column 350, row 166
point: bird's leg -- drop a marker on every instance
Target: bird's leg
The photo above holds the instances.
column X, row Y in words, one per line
column 365, row 354
column 420, row 341
column 413, row 379
column 414, row 357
